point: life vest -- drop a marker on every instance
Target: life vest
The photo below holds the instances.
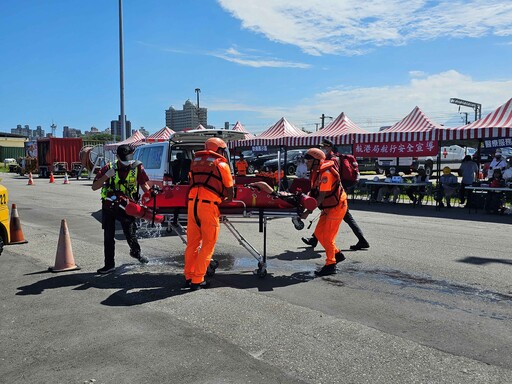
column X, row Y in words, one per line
column 206, row 173
column 332, row 198
column 127, row 187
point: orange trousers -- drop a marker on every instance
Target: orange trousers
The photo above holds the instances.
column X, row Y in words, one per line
column 327, row 228
column 202, row 232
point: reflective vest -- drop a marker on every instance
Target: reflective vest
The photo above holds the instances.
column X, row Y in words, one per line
column 332, row 198
column 127, row 187
column 205, row 172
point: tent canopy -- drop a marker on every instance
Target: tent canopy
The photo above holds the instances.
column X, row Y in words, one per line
column 134, row 140
column 497, row 124
column 416, row 126
column 162, row 135
column 340, row 131
column 240, row 128
column 281, row 133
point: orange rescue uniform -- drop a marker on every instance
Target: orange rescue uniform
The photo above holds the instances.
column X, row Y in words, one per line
column 241, row 167
column 330, row 218
column 203, row 222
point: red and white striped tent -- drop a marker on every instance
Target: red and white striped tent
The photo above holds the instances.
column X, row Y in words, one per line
column 281, row 133
column 340, row 131
column 134, row 141
column 240, row 128
column 415, row 126
column 162, row 135
column 414, row 135
column 497, row 124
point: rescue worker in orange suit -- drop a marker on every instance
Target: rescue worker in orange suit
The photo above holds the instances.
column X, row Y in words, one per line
column 362, row 243
column 119, row 181
column 241, row 166
column 326, row 188
column 211, row 183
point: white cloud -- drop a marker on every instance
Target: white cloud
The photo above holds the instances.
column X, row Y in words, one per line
column 372, row 107
column 235, row 56
column 352, row 27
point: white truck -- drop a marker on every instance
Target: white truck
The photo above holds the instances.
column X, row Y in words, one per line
column 451, row 156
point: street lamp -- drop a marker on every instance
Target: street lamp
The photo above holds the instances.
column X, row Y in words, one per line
column 197, row 91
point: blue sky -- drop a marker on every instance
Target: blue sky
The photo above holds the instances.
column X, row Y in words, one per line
column 254, row 61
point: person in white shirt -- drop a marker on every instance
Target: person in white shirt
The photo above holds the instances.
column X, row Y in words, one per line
column 302, row 170
column 507, row 175
column 395, row 189
column 499, row 162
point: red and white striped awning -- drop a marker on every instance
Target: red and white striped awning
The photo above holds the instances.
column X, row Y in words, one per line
column 240, row 128
column 340, row 131
column 134, row 141
column 162, row 135
column 416, row 126
column 496, row 124
column 281, row 133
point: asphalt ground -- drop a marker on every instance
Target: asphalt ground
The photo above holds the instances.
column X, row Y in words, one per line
column 429, row 302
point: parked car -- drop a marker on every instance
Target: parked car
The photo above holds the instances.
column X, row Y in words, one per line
column 291, row 161
column 256, row 160
column 368, row 164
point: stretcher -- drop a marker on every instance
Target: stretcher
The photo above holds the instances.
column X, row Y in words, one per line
column 252, row 203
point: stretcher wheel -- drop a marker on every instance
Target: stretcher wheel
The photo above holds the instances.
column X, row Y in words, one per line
column 262, row 273
column 262, row 270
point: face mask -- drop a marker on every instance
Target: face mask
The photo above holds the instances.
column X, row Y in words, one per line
column 127, row 163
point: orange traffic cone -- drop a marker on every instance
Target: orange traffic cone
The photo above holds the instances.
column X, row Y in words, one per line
column 66, row 179
column 64, row 260
column 16, row 234
column 52, row 178
column 30, row 180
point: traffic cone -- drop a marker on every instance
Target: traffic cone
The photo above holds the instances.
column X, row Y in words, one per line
column 66, row 179
column 30, row 180
column 64, row 260
column 52, row 178
column 16, row 234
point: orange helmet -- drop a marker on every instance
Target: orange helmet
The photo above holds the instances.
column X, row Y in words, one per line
column 315, row 153
column 214, row 143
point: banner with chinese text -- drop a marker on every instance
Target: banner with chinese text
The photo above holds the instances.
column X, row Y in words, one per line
column 397, row 149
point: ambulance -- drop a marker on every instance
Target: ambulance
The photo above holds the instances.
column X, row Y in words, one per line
column 169, row 162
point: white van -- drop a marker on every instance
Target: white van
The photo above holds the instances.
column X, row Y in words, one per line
column 169, row 162
column 451, row 156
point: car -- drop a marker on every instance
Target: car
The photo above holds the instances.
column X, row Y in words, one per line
column 256, row 160
column 291, row 161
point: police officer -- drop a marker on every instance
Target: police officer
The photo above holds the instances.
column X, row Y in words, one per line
column 120, row 181
column 331, row 199
column 211, row 183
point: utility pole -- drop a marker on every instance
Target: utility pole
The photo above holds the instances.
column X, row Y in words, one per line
column 323, row 119
column 121, row 71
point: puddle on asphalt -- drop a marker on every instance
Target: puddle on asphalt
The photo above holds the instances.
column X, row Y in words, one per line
column 399, row 278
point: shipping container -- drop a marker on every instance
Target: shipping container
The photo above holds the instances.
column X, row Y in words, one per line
column 58, row 155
